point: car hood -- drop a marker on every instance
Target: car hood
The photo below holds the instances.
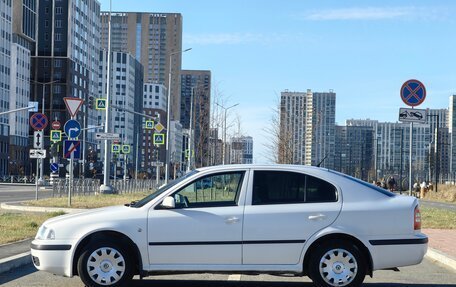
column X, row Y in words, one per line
column 100, row 218
column 79, row 215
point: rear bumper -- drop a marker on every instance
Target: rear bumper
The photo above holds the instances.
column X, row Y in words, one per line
column 390, row 253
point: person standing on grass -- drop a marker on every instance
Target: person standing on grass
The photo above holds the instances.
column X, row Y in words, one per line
column 423, row 190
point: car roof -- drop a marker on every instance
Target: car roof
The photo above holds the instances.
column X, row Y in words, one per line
column 262, row 166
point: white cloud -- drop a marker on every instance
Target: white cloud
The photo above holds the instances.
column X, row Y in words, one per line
column 374, row 13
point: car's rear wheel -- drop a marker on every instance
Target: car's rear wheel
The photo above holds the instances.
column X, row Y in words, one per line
column 337, row 263
column 105, row 263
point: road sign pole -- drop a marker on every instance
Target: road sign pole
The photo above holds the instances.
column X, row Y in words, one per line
column 36, row 179
column 70, row 184
column 410, row 159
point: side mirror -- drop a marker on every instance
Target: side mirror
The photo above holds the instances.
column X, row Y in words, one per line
column 169, row 203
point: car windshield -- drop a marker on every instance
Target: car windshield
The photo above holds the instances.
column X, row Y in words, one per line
column 162, row 189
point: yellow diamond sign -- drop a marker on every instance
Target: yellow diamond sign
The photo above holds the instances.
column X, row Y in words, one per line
column 159, row 127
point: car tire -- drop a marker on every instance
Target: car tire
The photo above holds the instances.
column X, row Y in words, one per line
column 337, row 263
column 105, row 263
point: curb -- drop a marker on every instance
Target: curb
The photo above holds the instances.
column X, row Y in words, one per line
column 19, row 207
column 441, row 258
column 9, row 263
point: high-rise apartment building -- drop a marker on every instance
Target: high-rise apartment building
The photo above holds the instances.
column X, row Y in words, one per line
column 320, row 128
column 241, row 150
column 127, row 99
column 154, row 39
column 195, row 111
column 23, row 42
column 5, row 78
column 65, row 62
column 452, row 134
column 354, row 152
column 292, row 128
column 154, row 105
column 307, row 128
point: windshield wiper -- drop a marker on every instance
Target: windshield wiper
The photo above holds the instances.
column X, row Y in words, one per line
column 131, row 204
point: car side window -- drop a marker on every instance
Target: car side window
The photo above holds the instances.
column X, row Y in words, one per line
column 279, row 187
column 214, row 190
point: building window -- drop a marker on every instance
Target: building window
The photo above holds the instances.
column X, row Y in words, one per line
column 58, row 10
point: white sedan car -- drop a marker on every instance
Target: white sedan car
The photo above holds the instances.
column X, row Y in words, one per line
column 240, row 219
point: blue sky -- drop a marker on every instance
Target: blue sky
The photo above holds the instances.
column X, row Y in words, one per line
column 363, row 50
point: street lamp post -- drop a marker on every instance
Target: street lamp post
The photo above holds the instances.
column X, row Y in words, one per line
column 168, row 111
column 105, row 187
column 224, row 130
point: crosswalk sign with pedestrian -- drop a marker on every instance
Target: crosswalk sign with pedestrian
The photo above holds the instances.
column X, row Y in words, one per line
column 115, row 148
column 159, row 139
column 125, row 149
column 149, row 125
column 56, row 135
column 100, row 104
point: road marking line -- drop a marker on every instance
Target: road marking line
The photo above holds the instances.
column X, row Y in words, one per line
column 234, row 277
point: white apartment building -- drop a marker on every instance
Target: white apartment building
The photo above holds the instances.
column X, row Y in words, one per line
column 155, row 96
column 241, row 150
column 125, row 94
column 307, row 128
column 5, row 74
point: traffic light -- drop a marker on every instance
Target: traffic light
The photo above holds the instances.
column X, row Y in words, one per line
column 91, row 102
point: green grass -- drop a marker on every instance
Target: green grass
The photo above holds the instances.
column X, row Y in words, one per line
column 16, row 226
column 436, row 218
column 90, row 201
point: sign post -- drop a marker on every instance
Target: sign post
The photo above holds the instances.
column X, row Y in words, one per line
column 413, row 94
column 72, row 149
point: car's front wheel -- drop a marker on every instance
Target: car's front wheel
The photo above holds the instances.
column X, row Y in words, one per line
column 337, row 263
column 105, row 263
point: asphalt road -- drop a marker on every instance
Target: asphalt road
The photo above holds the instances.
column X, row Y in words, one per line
column 426, row 274
column 10, row 193
column 441, row 205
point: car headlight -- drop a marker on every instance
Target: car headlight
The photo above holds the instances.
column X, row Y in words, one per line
column 45, row 233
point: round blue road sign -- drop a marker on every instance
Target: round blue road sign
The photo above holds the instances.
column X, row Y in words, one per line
column 54, row 167
column 72, row 129
column 413, row 93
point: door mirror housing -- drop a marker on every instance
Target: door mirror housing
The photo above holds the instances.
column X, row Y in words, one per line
column 168, row 203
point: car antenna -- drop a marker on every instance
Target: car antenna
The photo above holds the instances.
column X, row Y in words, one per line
column 318, row 165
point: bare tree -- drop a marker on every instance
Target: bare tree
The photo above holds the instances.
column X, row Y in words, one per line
column 279, row 144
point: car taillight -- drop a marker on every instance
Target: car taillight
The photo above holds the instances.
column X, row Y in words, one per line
column 417, row 219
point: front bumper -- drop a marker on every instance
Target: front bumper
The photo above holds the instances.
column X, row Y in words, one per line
column 52, row 256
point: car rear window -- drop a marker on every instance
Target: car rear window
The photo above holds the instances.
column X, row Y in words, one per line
column 367, row 184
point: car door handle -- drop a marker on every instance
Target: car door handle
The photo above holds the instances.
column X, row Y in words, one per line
column 317, row 217
column 231, row 220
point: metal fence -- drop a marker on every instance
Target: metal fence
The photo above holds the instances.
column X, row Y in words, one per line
column 81, row 187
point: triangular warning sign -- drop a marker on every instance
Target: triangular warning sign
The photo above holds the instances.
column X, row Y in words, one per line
column 73, row 105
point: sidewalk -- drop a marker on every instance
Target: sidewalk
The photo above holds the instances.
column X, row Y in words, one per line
column 441, row 246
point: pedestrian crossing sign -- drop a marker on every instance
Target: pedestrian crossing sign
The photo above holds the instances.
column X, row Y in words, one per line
column 56, row 135
column 100, row 104
column 159, row 139
column 115, row 148
column 125, row 148
column 149, row 125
